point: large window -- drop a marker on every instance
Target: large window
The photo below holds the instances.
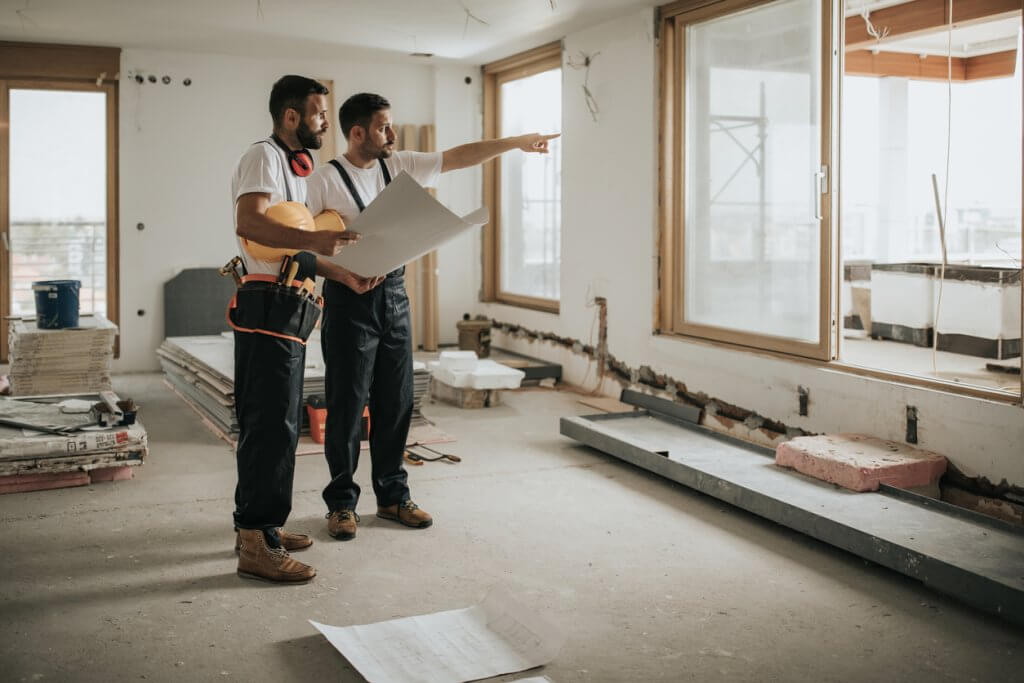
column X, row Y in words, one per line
column 523, row 94
column 58, row 175
column 750, row 220
column 892, row 267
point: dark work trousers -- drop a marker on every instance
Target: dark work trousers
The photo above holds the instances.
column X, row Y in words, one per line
column 268, row 401
column 367, row 351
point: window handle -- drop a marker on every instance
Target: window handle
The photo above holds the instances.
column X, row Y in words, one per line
column 820, row 188
column 7, row 245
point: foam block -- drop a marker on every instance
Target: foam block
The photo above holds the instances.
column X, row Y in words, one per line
column 860, row 463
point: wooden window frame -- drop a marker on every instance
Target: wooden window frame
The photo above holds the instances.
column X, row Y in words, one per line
column 671, row 178
column 31, row 66
column 529, row 63
column 671, row 314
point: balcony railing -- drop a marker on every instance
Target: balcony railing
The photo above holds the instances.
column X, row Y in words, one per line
column 58, row 250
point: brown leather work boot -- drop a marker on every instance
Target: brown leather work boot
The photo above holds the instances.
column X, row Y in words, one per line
column 342, row 524
column 289, row 541
column 408, row 513
column 257, row 560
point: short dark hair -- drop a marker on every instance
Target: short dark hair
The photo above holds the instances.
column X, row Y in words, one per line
column 290, row 92
column 358, row 110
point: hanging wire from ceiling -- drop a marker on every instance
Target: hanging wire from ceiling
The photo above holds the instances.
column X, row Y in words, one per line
column 469, row 16
column 943, row 210
column 259, row 9
column 584, row 63
column 24, row 18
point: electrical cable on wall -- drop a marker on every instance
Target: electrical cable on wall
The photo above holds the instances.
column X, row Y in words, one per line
column 588, row 96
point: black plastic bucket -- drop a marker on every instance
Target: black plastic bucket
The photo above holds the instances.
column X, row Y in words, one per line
column 56, row 303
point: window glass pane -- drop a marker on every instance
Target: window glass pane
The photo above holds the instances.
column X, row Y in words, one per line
column 753, row 141
column 531, row 188
column 58, row 190
column 894, row 137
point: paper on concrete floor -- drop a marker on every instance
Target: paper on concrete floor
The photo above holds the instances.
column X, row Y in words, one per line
column 403, row 223
column 496, row 637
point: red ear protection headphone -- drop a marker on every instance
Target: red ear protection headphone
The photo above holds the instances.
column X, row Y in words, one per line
column 300, row 160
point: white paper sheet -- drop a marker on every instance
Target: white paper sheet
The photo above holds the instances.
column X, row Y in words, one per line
column 496, row 637
column 401, row 224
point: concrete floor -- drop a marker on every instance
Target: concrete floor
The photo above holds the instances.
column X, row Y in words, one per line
column 650, row 581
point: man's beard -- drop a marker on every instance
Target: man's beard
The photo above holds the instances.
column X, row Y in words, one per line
column 371, row 151
column 307, row 138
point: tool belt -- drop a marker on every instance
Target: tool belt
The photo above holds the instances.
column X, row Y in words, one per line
column 264, row 305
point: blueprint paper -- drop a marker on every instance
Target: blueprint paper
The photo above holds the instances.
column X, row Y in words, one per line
column 403, row 223
column 496, row 637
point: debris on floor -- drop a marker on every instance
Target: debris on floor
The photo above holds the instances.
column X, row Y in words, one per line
column 460, row 378
column 496, row 637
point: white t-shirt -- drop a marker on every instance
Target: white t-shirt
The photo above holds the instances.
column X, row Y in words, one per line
column 264, row 168
column 326, row 189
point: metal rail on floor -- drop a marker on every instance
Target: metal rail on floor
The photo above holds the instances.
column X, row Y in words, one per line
column 971, row 557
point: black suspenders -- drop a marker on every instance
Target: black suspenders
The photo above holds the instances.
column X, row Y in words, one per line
column 352, row 187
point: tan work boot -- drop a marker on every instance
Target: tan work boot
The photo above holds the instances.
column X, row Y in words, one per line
column 408, row 513
column 289, row 541
column 342, row 524
column 257, row 560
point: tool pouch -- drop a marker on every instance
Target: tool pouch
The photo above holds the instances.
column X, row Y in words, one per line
column 273, row 309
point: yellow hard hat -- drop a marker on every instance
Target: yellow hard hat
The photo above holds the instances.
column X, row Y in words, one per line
column 329, row 220
column 292, row 214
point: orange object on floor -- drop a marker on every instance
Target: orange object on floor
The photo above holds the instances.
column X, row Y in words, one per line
column 364, row 430
column 317, row 423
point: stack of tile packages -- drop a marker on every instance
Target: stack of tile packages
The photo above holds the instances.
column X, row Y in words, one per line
column 420, row 387
column 33, row 461
column 201, row 371
column 71, row 360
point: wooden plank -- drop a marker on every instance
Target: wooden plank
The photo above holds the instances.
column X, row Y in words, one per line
column 429, row 298
column 901, row 64
column 995, row 65
column 924, row 16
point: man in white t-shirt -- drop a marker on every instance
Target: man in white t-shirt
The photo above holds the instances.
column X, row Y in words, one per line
column 269, row 364
column 366, row 329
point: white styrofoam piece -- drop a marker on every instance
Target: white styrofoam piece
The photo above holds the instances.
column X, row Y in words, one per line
column 906, row 299
column 458, row 361
column 488, row 374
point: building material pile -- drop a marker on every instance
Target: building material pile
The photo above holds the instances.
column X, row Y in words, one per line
column 201, row 371
column 31, row 460
column 67, row 361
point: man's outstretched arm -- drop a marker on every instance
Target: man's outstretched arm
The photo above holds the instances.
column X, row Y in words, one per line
column 475, row 153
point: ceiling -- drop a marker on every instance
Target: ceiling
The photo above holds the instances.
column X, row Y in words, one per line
column 474, row 31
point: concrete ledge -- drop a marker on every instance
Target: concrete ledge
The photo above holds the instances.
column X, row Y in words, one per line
column 861, row 463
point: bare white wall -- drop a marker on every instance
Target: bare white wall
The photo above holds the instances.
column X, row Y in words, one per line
column 179, row 147
column 609, row 248
column 459, row 119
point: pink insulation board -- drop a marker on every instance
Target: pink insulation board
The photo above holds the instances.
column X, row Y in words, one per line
column 860, row 463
